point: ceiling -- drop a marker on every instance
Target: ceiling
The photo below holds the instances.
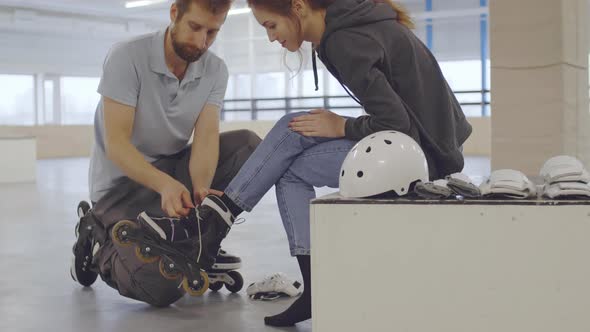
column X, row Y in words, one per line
column 158, row 13
column 115, row 8
column 101, row 8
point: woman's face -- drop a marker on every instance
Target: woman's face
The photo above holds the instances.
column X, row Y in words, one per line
column 279, row 28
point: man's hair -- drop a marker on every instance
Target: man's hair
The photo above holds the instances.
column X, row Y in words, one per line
column 214, row 6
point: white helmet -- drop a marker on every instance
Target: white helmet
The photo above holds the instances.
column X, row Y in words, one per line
column 382, row 162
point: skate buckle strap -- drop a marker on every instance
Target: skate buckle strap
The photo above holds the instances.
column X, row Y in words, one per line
column 153, row 225
column 218, row 206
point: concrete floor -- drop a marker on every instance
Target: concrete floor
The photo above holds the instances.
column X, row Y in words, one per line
column 36, row 291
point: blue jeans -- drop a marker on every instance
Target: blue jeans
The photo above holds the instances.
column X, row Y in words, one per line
column 295, row 164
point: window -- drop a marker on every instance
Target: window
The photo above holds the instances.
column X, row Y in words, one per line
column 271, row 85
column 344, row 100
column 17, row 105
column 464, row 76
column 78, row 99
column 48, row 114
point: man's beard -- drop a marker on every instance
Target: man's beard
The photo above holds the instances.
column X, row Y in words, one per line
column 185, row 52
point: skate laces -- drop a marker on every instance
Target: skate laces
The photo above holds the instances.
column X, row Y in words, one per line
column 199, row 219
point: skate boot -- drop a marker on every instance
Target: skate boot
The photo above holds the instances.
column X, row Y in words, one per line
column 223, row 272
column 85, row 247
column 218, row 220
column 168, row 242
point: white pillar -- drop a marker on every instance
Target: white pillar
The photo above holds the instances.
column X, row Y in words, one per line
column 539, row 54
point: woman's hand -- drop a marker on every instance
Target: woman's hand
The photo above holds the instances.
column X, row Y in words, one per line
column 319, row 123
column 200, row 194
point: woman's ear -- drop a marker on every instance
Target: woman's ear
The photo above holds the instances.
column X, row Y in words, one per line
column 299, row 7
column 173, row 12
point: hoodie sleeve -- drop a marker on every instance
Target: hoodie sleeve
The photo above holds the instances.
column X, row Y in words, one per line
column 356, row 60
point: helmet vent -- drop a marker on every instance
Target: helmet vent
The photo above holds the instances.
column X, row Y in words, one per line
column 360, row 174
column 388, row 142
column 368, row 149
column 342, row 173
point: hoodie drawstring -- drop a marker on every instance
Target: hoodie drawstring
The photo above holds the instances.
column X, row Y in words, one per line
column 315, row 69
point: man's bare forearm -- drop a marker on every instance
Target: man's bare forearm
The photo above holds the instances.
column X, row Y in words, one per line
column 132, row 163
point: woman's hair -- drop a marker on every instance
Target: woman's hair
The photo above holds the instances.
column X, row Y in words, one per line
column 283, row 8
column 403, row 16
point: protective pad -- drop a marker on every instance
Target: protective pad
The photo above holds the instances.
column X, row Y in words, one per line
column 273, row 287
column 508, row 183
column 567, row 190
column 564, row 169
column 462, row 185
column 433, row 190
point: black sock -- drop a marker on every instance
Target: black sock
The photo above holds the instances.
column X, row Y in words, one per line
column 233, row 208
column 300, row 310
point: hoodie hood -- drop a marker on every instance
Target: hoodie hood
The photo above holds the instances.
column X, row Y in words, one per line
column 350, row 13
column 344, row 14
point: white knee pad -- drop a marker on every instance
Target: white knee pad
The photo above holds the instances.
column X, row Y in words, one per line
column 508, row 183
column 564, row 169
column 566, row 189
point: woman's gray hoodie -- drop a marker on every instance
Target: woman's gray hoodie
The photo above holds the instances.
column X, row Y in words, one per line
column 396, row 79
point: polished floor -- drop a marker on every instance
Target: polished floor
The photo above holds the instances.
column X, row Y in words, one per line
column 37, row 294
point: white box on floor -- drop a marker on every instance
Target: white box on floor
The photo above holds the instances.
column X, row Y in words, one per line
column 398, row 265
column 18, row 159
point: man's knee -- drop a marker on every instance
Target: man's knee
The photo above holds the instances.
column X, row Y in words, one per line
column 248, row 138
column 160, row 296
column 161, row 302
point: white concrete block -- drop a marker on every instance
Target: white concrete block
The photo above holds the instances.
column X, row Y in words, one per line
column 380, row 266
column 18, row 161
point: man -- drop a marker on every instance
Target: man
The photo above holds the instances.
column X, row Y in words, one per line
column 156, row 90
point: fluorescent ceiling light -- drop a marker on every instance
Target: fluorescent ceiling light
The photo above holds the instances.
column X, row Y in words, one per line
column 239, row 11
column 142, row 3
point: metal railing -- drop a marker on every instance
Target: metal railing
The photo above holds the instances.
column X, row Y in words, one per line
column 292, row 104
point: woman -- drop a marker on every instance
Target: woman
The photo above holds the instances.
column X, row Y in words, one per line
column 369, row 47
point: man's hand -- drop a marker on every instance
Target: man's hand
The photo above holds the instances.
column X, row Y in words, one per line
column 176, row 199
column 201, row 193
column 319, row 123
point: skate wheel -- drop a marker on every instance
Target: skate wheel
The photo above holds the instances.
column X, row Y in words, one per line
column 83, row 208
column 145, row 257
column 199, row 290
column 166, row 271
column 238, row 282
column 117, row 232
column 216, row 286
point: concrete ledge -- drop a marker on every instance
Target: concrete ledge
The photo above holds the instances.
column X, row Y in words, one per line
column 429, row 266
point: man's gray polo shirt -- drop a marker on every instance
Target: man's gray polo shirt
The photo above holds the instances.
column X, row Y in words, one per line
column 166, row 110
